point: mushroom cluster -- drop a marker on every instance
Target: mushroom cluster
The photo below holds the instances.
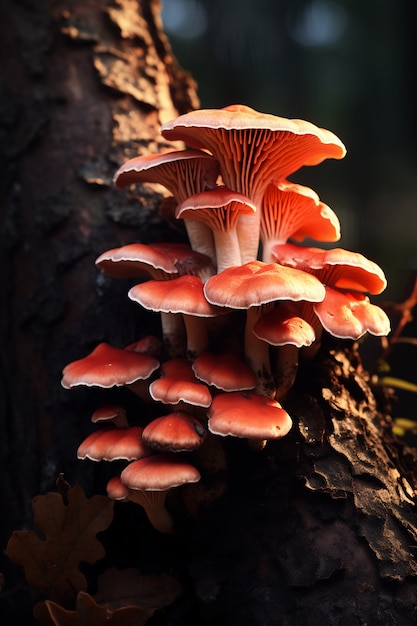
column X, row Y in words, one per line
column 237, row 304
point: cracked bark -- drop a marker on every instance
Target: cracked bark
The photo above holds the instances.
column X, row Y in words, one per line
column 320, row 528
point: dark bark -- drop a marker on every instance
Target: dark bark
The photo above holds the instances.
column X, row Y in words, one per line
column 318, row 528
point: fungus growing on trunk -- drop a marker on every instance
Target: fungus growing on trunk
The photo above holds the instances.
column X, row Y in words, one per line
column 253, row 150
column 225, row 371
column 178, row 384
column 114, row 444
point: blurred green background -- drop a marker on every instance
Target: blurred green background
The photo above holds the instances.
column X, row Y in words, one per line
column 346, row 65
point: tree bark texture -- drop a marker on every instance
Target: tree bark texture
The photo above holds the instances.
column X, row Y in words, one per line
column 319, row 528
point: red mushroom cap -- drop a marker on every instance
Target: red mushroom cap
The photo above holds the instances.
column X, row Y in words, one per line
column 107, row 366
column 179, row 384
column 177, row 432
column 110, row 444
column 248, row 415
column 280, row 327
column 351, row 315
column 159, row 260
column 256, row 283
column 159, row 472
column 111, row 413
column 224, row 371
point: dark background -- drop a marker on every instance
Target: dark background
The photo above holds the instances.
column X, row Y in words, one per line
column 346, row 65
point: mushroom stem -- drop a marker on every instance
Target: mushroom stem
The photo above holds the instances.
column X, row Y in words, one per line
column 197, row 335
column 248, row 228
column 173, row 334
column 285, row 368
column 227, row 248
column 257, row 353
column 200, row 238
column 153, row 503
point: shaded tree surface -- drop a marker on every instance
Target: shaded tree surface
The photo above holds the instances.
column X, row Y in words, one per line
column 318, row 528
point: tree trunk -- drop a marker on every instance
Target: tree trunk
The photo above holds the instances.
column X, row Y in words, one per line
column 319, row 528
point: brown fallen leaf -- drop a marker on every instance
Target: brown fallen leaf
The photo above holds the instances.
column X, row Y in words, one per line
column 88, row 612
column 69, row 537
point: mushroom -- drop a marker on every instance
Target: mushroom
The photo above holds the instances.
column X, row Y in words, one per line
column 253, row 150
column 111, row 413
column 225, row 371
column 220, row 209
column 183, row 173
column 251, row 287
column 345, row 311
column 183, row 295
column 178, row 384
column 151, row 478
column 176, row 432
column 255, row 417
column 107, row 366
column 294, row 211
column 282, row 327
column 111, row 444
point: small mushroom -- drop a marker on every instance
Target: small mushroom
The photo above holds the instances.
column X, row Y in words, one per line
column 225, row 371
column 155, row 475
column 111, row 413
column 176, row 432
column 178, row 385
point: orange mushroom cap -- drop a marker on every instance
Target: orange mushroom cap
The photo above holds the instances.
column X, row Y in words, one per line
column 248, row 415
column 280, row 327
column 107, row 366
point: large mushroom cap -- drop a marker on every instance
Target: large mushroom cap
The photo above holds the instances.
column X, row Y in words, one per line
column 107, row 366
column 248, row 415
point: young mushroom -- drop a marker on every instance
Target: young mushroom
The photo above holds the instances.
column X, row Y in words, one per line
column 113, row 444
column 176, row 432
column 178, row 386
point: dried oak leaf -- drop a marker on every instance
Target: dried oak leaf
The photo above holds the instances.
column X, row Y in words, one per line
column 129, row 587
column 89, row 612
column 51, row 563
